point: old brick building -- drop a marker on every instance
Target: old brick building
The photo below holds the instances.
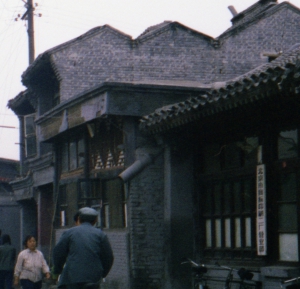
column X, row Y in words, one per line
column 199, row 99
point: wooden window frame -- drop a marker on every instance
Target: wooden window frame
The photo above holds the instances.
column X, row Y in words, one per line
column 102, row 202
column 233, row 251
column 66, row 167
column 232, row 244
column 30, row 151
column 62, row 206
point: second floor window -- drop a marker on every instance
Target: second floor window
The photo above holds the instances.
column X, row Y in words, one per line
column 30, row 135
column 72, row 152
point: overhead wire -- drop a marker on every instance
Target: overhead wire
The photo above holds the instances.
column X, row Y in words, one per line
column 83, row 21
column 88, row 18
column 53, row 15
column 12, row 51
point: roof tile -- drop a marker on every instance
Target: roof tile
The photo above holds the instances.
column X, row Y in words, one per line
column 276, row 71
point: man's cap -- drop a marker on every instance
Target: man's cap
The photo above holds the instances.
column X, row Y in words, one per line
column 88, row 213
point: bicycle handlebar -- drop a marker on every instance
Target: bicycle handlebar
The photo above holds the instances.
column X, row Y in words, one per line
column 243, row 273
column 196, row 268
column 291, row 280
column 225, row 267
column 283, row 283
column 193, row 263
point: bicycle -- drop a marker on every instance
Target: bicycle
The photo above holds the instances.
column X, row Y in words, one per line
column 293, row 281
column 244, row 275
column 198, row 271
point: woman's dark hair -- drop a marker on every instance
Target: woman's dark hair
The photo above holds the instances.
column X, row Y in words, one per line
column 27, row 239
column 6, row 239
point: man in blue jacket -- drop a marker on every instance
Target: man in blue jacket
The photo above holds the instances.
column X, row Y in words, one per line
column 83, row 255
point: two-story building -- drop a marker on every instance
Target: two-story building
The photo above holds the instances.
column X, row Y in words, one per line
column 183, row 182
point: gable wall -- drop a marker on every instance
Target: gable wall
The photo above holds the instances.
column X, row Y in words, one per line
column 175, row 54
column 87, row 63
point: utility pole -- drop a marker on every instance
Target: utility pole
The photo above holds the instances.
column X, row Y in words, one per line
column 29, row 15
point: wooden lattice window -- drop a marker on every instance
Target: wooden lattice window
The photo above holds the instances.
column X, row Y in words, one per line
column 106, row 146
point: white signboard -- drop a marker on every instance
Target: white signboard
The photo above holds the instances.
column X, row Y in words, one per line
column 261, row 220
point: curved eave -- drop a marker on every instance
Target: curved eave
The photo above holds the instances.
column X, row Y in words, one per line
column 250, row 87
column 38, row 63
column 21, row 104
column 210, row 108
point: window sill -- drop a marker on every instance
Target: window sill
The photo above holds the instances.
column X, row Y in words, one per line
column 71, row 173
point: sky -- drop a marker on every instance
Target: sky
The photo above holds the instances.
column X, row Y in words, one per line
column 57, row 21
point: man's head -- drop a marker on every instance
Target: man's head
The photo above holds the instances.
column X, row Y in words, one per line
column 87, row 214
column 76, row 219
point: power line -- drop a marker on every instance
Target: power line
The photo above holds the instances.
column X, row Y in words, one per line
column 7, row 126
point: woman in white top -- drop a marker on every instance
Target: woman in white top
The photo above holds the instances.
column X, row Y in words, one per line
column 30, row 266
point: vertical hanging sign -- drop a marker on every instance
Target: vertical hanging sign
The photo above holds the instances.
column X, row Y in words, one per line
column 261, row 220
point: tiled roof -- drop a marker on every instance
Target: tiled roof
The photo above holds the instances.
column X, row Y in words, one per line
column 155, row 28
column 152, row 31
column 254, row 13
column 45, row 56
column 19, row 98
column 226, row 95
column 24, row 103
column 8, row 169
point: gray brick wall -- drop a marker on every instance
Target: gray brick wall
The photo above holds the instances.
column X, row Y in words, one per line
column 146, row 207
column 242, row 49
column 118, row 277
column 93, row 60
column 174, row 53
